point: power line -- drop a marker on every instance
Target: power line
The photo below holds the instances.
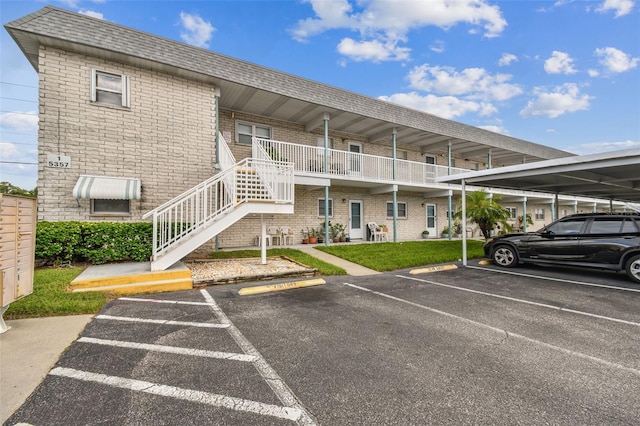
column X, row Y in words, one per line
column 21, row 113
column 18, row 162
column 17, row 84
column 20, row 133
column 19, row 100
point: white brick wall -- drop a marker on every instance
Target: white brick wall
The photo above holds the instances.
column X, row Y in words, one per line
column 166, row 138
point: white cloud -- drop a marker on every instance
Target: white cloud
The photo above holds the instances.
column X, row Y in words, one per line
column 561, row 100
column 559, row 63
column 593, row 73
column 21, row 121
column 596, row 147
column 473, row 83
column 375, row 51
column 197, row 31
column 437, row 46
column 91, row 13
column 495, row 129
column 9, row 152
column 383, row 23
column 443, row 106
column 621, row 7
column 507, row 59
column 615, row 60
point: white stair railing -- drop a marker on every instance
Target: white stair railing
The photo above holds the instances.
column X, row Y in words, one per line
column 226, row 158
column 250, row 180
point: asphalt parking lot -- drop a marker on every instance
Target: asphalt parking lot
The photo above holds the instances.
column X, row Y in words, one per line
column 472, row 345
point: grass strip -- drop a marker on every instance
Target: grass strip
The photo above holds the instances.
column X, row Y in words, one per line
column 51, row 298
column 391, row 256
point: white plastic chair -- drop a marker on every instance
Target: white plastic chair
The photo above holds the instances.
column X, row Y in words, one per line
column 376, row 233
column 274, row 234
column 287, row 234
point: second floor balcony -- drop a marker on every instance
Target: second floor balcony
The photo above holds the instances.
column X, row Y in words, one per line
column 351, row 166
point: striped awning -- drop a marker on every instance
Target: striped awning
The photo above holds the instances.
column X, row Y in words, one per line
column 107, row 188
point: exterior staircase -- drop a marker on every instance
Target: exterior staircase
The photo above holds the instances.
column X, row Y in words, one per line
column 253, row 185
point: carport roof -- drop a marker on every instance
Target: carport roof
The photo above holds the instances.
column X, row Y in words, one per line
column 613, row 176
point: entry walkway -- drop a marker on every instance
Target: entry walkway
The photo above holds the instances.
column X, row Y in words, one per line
column 351, row 268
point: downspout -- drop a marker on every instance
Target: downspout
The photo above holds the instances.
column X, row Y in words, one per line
column 326, row 188
column 449, row 204
column 395, row 190
column 464, row 223
column 217, row 165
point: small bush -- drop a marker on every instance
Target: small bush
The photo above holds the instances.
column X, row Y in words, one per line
column 94, row 242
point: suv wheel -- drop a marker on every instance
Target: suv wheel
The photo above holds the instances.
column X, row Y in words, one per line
column 633, row 268
column 507, row 256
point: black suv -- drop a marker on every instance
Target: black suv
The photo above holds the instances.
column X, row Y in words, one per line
column 596, row 240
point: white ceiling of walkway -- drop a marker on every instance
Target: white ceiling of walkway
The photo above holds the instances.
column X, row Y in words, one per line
column 611, row 176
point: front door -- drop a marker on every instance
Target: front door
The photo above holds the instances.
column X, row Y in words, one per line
column 431, row 220
column 356, row 226
column 355, row 160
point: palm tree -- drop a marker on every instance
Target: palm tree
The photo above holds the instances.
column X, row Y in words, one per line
column 484, row 211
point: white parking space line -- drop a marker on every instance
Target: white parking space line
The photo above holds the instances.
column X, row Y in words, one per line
column 520, row 274
column 163, row 322
column 200, row 397
column 505, row 332
column 171, row 302
column 279, row 387
column 169, row 349
column 527, row 302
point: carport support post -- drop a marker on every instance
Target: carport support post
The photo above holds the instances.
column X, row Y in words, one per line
column 218, row 166
column 464, row 223
column 524, row 214
column 326, row 170
column 395, row 192
column 263, row 240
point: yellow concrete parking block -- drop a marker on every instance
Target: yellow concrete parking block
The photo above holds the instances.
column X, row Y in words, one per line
column 279, row 287
column 485, row 262
column 433, row 269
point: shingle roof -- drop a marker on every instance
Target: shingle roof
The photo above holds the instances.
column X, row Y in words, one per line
column 77, row 32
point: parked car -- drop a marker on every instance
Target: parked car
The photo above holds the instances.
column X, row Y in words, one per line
column 596, row 240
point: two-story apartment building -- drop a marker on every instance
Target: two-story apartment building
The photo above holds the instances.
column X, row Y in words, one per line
column 129, row 120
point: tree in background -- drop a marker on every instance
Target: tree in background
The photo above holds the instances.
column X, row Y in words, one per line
column 7, row 188
column 484, row 211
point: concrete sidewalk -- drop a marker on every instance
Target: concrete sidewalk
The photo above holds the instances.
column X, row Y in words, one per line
column 31, row 347
column 351, row 268
column 28, row 350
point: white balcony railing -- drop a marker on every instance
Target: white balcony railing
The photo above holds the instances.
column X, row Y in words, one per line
column 351, row 165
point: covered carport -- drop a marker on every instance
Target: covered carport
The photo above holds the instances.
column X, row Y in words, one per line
column 612, row 176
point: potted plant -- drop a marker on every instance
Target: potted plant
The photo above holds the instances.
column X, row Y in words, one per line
column 446, row 232
column 425, row 234
column 384, row 228
column 313, row 236
column 305, row 236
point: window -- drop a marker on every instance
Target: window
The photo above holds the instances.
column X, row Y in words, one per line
column 401, row 154
column 402, row 210
column 567, row 227
column 110, row 207
column 321, row 207
column 606, row 226
column 320, row 142
column 539, row 214
column 513, row 212
column 430, row 159
column 245, row 132
column 110, row 89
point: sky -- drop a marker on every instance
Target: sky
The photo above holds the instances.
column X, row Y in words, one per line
column 564, row 74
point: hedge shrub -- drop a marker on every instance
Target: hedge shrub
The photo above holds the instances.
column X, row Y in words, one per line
column 94, row 242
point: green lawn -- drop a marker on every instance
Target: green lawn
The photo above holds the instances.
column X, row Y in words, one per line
column 51, row 298
column 391, row 256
